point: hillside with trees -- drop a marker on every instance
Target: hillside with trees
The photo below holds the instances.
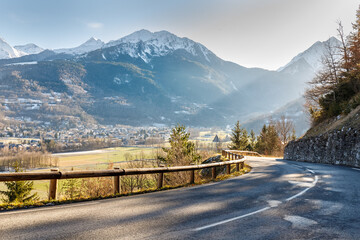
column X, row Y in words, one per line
column 336, row 88
column 333, row 101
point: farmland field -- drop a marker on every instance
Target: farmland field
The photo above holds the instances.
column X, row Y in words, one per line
column 99, row 159
column 89, row 160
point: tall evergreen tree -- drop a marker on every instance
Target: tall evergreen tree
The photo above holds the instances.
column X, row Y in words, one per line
column 252, row 139
column 239, row 138
column 181, row 151
column 268, row 142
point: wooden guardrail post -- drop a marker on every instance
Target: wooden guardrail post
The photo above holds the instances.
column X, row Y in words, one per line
column 242, row 165
column 117, row 183
column 223, row 153
column 53, row 186
column 192, row 176
column 160, row 179
column 228, row 169
column 237, row 167
column 213, row 173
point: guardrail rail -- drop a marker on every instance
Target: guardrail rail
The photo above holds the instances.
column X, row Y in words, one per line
column 54, row 174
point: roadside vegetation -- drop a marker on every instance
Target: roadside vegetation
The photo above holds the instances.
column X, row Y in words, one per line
column 181, row 151
column 271, row 141
column 335, row 90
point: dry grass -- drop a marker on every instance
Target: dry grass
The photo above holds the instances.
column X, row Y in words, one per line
column 351, row 120
column 95, row 196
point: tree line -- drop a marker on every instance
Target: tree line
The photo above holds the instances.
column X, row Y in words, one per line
column 271, row 140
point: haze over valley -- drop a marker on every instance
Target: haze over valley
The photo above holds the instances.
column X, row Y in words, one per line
column 152, row 79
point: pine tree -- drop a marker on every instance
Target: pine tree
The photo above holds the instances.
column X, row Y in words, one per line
column 19, row 191
column 268, row 142
column 252, row 141
column 239, row 138
column 181, row 151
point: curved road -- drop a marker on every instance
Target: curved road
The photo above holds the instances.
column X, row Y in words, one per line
column 277, row 200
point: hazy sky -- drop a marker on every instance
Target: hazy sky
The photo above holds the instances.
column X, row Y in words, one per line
column 252, row 33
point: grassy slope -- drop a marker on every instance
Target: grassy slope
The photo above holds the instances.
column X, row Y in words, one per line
column 352, row 120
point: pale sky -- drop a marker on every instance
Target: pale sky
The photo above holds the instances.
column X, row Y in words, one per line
column 252, row 33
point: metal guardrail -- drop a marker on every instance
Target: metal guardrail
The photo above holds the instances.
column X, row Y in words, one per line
column 55, row 174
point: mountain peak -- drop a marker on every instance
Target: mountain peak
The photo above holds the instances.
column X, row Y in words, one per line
column 92, row 39
column 313, row 54
column 156, row 44
column 29, row 48
column 7, row 51
column 90, row 45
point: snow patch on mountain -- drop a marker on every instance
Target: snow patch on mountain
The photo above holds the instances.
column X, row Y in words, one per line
column 21, row 63
column 145, row 45
column 7, row 51
column 312, row 55
column 29, row 48
column 88, row 46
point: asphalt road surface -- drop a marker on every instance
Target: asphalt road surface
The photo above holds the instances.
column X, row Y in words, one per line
column 277, row 200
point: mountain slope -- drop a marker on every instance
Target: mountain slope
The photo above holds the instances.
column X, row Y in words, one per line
column 7, row 51
column 146, row 78
column 311, row 57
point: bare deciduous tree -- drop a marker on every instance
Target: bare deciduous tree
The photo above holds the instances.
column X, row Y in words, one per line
column 285, row 128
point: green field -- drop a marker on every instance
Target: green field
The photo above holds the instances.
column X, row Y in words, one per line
column 104, row 159
column 100, row 159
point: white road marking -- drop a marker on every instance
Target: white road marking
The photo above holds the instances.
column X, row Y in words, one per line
column 272, row 203
column 231, row 219
column 301, row 184
column 358, row 169
column 310, row 171
column 300, row 222
column 303, row 191
column 47, row 208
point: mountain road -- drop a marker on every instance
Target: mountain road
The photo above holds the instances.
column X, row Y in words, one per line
column 278, row 199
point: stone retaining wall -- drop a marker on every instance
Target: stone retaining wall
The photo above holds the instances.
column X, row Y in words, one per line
column 338, row 147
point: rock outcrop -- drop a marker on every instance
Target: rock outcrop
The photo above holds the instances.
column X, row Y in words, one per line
column 206, row 172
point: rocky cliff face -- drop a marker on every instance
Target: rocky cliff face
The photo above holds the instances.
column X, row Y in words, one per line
column 340, row 147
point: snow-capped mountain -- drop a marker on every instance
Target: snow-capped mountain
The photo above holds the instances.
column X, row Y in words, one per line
column 7, row 51
column 158, row 77
column 145, row 45
column 30, row 48
column 310, row 57
column 88, row 46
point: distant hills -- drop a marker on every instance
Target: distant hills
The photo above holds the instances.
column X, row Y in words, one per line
column 146, row 78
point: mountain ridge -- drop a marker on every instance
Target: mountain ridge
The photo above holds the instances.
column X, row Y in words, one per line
column 145, row 78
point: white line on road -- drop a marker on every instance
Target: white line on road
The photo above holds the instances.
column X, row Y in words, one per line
column 303, row 191
column 358, row 169
column 231, row 219
column 310, row 171
column 262, row 209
